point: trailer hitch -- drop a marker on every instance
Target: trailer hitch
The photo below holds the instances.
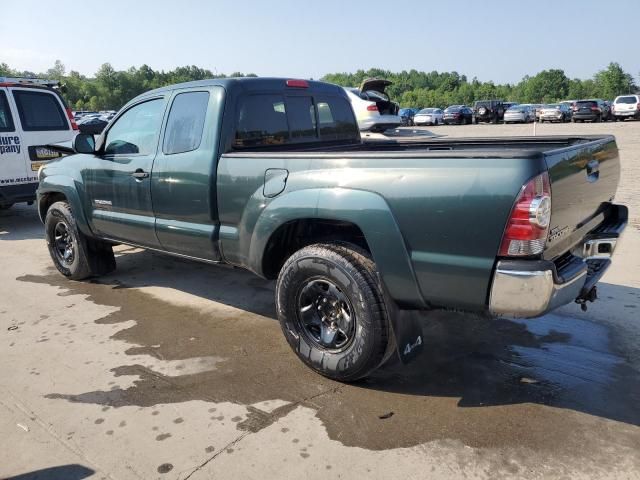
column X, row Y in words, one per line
column 585, row 296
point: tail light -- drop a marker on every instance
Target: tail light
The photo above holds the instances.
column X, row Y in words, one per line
column 528, row 224
column 372, row 108
column 72, row 120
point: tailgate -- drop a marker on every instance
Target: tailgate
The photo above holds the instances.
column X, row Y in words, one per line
column 584, row 179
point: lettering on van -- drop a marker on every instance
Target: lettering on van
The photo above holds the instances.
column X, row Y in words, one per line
column 9, row 144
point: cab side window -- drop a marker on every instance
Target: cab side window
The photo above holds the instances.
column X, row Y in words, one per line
column 136, row 131
column 6, row 121
column 186, row 122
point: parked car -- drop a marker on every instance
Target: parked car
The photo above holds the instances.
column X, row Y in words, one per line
column 508, row 105
column 607, row 114
column 488, row 111
column 520, row 114
column 407, row 114
column 626, row 106
column 32, row 115
column 428, row 116
column 536, row 109
column 271, row 175
column 92, row 125
column 374, row 110
column 589, row 110
column 555, row 112
column 569, row 104
column 458, row 115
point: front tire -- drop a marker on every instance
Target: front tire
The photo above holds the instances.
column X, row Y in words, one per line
column 75, row 255
column 332, row 311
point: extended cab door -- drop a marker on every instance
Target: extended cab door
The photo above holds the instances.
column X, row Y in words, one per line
column 118, row 180
column 183, row 184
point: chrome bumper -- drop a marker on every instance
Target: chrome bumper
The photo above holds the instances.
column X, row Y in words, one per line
column 519, row 291
column 530, row 288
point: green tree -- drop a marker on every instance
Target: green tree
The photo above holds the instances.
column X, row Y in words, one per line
column 613, row 81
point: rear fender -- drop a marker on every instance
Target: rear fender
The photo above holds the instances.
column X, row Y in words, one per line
column 372, row 215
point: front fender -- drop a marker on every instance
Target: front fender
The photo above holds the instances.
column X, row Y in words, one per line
column 65, row 185
column 368, row 211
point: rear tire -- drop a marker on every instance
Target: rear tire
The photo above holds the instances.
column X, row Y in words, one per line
column 332, row 311
column 75, row 255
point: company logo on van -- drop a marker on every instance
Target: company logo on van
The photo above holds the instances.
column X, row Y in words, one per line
column 9, row 144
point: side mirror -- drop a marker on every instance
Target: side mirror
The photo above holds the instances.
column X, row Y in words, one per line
column 84, row 143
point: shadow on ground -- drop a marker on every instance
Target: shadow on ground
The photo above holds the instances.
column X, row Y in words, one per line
column 62, row 472
column 480, row 381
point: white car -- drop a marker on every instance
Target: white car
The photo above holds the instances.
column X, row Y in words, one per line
column 372, row 106
column 626, row 106
column 32, row 116
column 429, row 116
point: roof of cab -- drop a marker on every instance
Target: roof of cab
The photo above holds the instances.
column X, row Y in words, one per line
column 248, row 84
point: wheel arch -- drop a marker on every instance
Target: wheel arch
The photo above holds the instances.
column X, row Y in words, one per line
column 61, row 188
column 356, row 216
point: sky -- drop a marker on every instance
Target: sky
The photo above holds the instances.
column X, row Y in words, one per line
column 499, row 40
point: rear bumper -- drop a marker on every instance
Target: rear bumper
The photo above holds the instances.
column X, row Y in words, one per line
column 586, row 116
column 530, row 288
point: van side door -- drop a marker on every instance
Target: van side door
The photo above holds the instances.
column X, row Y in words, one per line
column 183, row 183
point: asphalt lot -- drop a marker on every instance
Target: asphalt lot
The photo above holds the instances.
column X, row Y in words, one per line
column 171, row 369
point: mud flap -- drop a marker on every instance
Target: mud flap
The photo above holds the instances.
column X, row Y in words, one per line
column 408, row 337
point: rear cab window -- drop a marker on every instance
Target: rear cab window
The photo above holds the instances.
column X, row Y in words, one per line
column 271, row 120
column 40, row 111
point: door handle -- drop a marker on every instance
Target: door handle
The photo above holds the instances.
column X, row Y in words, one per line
column 139, row 174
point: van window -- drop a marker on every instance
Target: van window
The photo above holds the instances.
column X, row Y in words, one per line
column 6, row 121
column 136, row 131
column 186, row 122
column 40, row 111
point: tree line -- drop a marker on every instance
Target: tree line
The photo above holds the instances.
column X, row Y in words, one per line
column 109, row 89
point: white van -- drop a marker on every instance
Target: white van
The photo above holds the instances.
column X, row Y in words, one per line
column 32, row 115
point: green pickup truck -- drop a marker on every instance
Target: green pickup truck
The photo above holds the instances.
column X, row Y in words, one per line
column 362, row 237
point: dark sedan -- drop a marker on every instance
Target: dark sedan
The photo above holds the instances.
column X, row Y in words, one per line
column 457, row 115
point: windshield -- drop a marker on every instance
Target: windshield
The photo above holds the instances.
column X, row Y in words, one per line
column 427, row 110
column 552, row 105
column 517, row 109
column 587, row 103
column 627, row 100
column 453, row 109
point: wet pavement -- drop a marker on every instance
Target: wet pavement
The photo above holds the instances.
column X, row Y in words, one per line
column 173, row 369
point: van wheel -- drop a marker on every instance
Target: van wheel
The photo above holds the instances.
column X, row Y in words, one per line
column 75, row 255
column 332, row 312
